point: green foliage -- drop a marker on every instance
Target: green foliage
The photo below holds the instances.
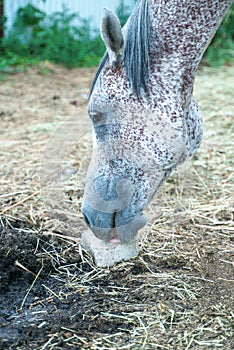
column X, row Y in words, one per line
column 221, row 48
column 28, row 16
column 63, row 38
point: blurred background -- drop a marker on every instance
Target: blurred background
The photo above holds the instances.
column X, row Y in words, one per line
column 67, row 33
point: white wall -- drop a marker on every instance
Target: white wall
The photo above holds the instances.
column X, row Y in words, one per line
column 85, row 8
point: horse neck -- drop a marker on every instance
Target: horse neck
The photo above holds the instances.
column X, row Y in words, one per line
column 181, row 31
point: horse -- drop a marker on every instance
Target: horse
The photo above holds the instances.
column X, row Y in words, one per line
column 141, row 105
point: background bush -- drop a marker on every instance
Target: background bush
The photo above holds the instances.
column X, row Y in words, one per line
column 57, row 38
column 221, row 48
column 67, row 39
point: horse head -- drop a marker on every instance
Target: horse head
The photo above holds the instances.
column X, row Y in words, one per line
column 144, row 117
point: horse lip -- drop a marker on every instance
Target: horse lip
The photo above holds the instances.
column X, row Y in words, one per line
column 115, row 239
column 128, row 232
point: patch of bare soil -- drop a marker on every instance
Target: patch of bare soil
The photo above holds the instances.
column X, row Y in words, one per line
column 179, row 292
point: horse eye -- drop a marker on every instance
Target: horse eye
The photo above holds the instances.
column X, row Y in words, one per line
column 96, row 117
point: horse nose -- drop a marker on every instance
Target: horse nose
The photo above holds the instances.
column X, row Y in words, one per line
column 99, row 222
column 86, row 219
column 106, row 225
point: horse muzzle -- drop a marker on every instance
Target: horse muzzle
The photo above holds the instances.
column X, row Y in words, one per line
column 119, row 227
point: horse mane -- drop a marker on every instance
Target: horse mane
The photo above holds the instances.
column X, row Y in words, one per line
column 100, row 67
column 136, row 50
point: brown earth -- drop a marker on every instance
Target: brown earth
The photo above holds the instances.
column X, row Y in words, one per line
column 178, row 294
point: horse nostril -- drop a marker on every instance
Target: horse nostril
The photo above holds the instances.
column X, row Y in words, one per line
column 86, row 219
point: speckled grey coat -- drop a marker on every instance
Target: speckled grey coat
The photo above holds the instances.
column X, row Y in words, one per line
column 145, row 118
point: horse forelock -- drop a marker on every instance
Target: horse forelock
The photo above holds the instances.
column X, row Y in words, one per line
column 136, row 56
column 136, row 52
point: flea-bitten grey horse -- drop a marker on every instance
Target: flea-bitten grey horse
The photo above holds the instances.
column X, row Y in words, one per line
column 145, row 118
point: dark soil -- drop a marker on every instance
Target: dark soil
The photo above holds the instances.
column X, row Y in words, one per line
column 54, row 311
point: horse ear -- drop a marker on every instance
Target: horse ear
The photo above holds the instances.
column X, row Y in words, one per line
column 111, row 34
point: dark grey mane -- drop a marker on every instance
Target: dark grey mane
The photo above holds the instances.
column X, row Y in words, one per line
column 136, row 51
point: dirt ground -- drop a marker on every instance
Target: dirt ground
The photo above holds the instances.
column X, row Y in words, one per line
column 177, row 295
